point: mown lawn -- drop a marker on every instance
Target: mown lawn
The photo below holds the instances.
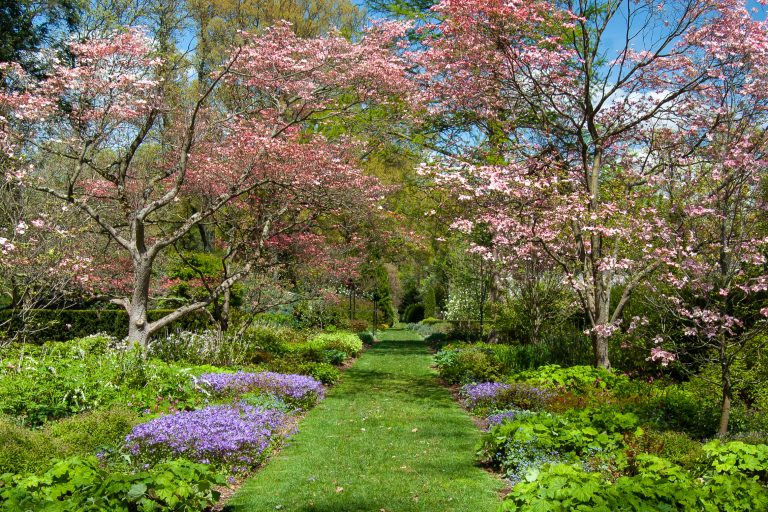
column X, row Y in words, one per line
column 388, row 438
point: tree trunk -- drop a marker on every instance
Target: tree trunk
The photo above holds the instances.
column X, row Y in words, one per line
column 602, row 304
column 600, row 350
column 138, row 322
column 225, row 308
column 725, row 411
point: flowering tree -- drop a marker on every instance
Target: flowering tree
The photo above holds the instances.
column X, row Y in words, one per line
column 126, row 158
column 720, row 275
column 568, row 127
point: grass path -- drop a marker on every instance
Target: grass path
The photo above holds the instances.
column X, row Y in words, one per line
column 388, row 438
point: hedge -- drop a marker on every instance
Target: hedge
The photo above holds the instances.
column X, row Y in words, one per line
column 65, row 324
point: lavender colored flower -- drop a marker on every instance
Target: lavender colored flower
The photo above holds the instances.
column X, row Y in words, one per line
column 500, row 417
column 289, row 386
column 484, row 392
column 497, row 396
column 234, row 436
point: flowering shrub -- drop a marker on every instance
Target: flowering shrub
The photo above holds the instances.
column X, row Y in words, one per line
column 299, row 390
column 233, row 436
column 489, row 396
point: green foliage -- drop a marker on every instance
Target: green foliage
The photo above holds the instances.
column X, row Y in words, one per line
column 736, row 457
column 358, row 325
column 467, row 363
column 366, row 337
column 82, row 485
column 324, row 372
column 266, row 401
column 578, row 379
column 577, row 435
column 677, row 447
column 66, row 324
column 659, row 485
column 342, row 341
column 673, row 407
column 24, row 450
column 259, row 343
column 64, row 378
column 413, row 313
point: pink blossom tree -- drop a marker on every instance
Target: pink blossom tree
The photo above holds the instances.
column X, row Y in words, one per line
column 568, row 109
column 99, row 135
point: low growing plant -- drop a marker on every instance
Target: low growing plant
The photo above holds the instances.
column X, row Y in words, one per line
column 236, row 437
column 82, row 485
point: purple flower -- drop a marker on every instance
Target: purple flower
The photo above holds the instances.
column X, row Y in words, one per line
column 501, row 417
column 289, row 386
column 499, row 396
column 483, row 392
column 235, row 436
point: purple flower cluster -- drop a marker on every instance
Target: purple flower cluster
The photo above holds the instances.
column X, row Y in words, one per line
column 234, row 436
column 490, row 396
column 288, row 386
column 483, row 393
column 500, row 417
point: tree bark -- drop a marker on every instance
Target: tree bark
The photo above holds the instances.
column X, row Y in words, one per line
column 727, row 398
column 600, row 350
column 138, row 322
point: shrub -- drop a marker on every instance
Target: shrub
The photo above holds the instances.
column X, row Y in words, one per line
column 85, row 434
column 358, row 325
column 467, row 363
column 366, row 337
column 22, row 450
column 324, row 372
column 579, row 379
column 674, row 408
column 676, row 447
column 333, row 356
column 81, row 485
column 236, row 437
column 342, row 341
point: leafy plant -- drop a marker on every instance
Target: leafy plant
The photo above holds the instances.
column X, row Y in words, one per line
column 587, row 435
column 735, row 457
column 82, row 485
column 580, row 379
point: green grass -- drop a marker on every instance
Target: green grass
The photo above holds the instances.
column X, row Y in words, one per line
column 388, row 438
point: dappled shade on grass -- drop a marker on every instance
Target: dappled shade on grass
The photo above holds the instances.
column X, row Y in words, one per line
column 389, row 437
